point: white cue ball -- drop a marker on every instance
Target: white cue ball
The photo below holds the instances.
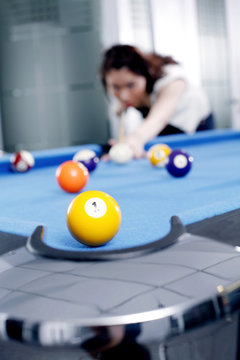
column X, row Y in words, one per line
column 121, row 153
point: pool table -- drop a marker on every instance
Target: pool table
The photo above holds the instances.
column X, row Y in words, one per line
column 172, row 269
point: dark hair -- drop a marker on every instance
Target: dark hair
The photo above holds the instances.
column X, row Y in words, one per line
column 148, row 65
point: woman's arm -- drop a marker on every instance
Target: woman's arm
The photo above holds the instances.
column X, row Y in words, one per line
column 158, row 117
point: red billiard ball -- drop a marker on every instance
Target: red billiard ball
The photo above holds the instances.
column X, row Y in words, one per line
column 93, row 218
column 72, row 176
column 179, row 163
column 21, row 161
column 88, row 158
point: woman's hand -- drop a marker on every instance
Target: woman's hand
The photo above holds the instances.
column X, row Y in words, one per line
column 137, row 146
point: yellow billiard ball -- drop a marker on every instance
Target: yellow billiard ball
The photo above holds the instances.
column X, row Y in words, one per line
column 158, row 154
column 93, row 218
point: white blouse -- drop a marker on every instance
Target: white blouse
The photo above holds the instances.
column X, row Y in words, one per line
column 193, row 106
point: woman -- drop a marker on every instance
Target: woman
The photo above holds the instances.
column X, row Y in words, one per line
column 154, row 95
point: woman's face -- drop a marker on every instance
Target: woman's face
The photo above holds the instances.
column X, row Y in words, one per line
column 128, row 87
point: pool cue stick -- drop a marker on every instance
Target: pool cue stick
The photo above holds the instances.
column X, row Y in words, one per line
column 121, row 131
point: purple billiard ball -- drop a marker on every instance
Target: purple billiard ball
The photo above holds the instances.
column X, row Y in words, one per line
column 179, row 163
column 88, row 158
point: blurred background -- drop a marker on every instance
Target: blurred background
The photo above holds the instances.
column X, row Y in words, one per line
column 50, row 50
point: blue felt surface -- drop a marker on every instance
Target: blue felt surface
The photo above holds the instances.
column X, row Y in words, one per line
column 147, row 196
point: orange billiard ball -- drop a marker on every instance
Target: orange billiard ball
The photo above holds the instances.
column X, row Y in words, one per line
column 93, row 218
column 158, row 154
column 72, row 176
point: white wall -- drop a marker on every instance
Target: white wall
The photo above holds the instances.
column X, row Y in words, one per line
column 110, row 23
column 176, row 33
column 233, row 29
column 127, row 22
column 169, row 27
